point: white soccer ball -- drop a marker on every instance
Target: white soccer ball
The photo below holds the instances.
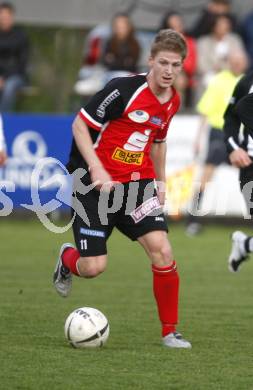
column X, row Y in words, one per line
column 86, row 328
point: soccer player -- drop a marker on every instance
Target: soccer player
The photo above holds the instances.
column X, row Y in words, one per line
column 238, row 130
column 211, row 107
column 119, row 137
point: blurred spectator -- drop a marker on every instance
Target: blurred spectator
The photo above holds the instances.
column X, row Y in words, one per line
column 211, row 108
column 111, row 51
column 95, row 44
column 185, row 83
column 3, row 153
column 204, row 23
column 215, row 48
column 247, row 35
column 91, row 74
column 122, row 49
column 13, row 57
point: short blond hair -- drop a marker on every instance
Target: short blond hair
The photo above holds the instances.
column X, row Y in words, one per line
column 169, row 40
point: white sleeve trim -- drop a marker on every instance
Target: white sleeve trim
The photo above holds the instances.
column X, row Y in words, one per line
column 85, row 113
column 233, row 143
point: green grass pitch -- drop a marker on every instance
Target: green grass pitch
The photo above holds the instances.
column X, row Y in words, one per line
column 216, row 315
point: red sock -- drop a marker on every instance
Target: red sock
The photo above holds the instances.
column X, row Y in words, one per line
column 165, row 287
column 69, row 259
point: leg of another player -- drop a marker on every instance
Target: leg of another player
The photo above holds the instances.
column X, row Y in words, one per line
column 193, row 221
column 165, row 285
column 242, row 245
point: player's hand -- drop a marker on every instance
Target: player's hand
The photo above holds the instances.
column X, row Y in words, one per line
column 3, row 157
column 239, row 158
column 162, row 197
column 161, row 192
column 101, row 178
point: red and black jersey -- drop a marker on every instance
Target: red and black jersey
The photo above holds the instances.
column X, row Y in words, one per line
column 124, row 119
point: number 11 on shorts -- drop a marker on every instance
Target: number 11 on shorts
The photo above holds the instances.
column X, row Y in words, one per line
column 84, row 245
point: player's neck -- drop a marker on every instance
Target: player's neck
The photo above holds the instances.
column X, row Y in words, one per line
column 162, row 94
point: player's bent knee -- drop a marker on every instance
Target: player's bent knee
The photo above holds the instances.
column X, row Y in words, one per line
column 166, row 253
column 90, row 267
column 164, row 257
column 161, row 256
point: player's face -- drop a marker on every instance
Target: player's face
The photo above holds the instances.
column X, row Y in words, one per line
column 6, row 19
column 165, row 66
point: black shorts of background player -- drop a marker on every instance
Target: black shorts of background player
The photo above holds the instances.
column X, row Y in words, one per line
column 119, row 136
column 216, row 155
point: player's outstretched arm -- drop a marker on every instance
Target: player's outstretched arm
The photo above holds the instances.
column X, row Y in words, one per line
column 84, row 143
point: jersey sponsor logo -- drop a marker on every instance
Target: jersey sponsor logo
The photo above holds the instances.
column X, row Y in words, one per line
column 105, row 103
column 138, row 116
column 145, row 209
column 92, row 233
column 128, row 157
column 137, row 141
column 156, row 120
